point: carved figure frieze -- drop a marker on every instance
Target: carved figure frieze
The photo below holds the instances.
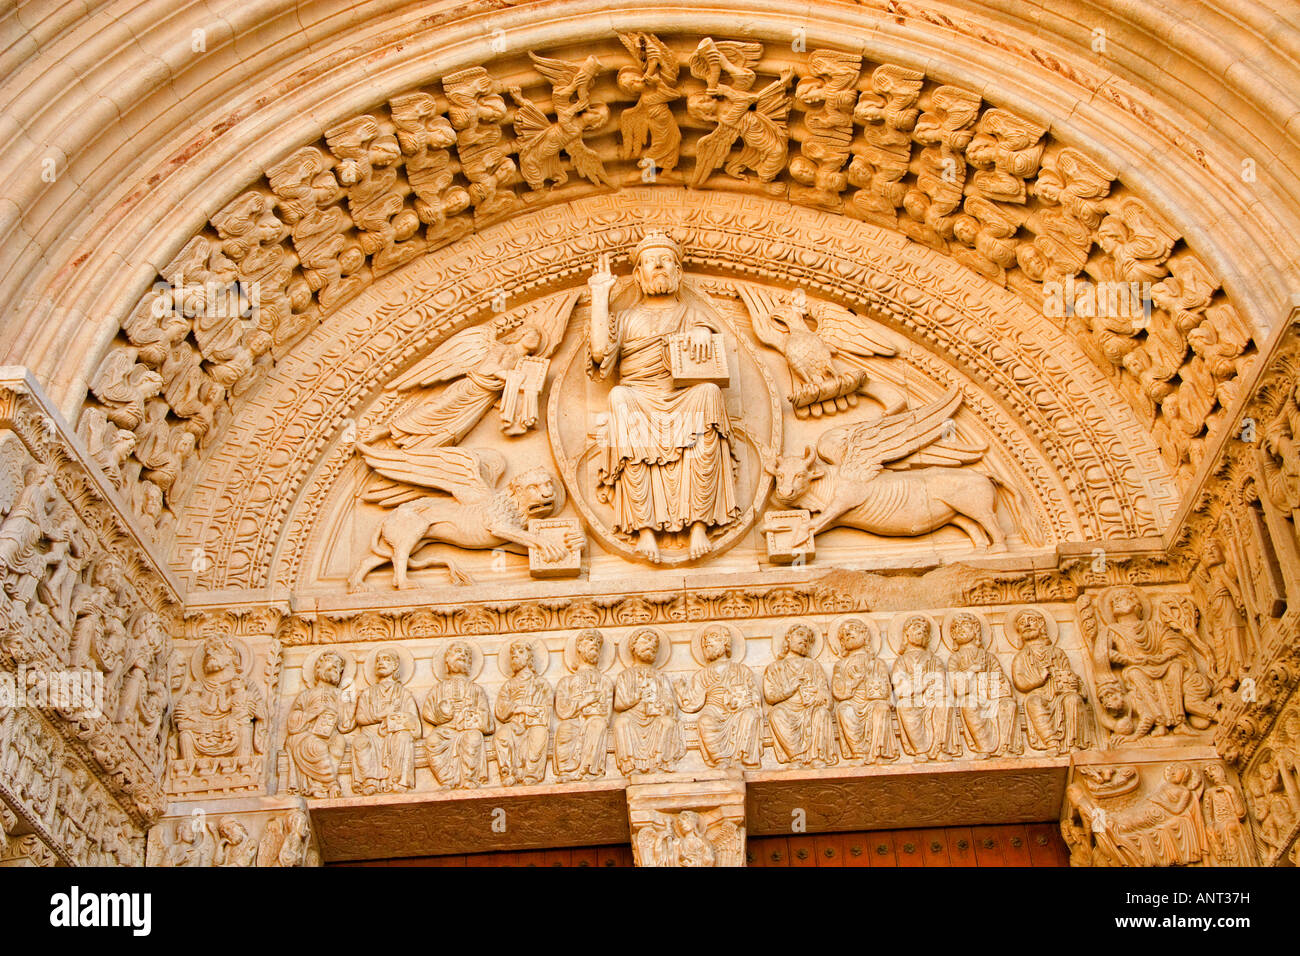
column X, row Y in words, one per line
column 318, row 724
column 799, row 699
column 386, row 724
column 584, row 703
column 726, row 695
column 524, row 707
column 459, row 713
column 1057, row 716
column 862, row 686
column 1149, row 680
column 1178, row 813
column 985, row 708
column 922, row 691
column 647, row 723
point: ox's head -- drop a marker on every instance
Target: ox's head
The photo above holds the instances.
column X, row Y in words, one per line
column 794, row 475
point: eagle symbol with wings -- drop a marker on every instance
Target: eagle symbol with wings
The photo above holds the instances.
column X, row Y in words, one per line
column 826, row 371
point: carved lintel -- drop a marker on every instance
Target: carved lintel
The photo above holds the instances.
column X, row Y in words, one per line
column 688, row 820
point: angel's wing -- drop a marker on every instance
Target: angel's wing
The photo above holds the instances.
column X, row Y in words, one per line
column 458, row 355
column 763, row 306
column 862, row 450
column 774, row 102
column 648, row 839
column 711, row 152
column 551, row 318
column 529, row 120
column 728, row 843
column 468, row 475
column 657, row 51
column 587, row 163
column 848, row 332
column 561, row 73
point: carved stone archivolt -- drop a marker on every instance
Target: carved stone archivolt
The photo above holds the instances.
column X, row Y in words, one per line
column 333, row 480
column 87, row 617
column 992, row 190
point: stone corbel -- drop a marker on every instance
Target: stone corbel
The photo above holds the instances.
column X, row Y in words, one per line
column 688, row 819
column 253, row 831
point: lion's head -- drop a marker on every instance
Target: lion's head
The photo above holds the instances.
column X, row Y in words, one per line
column 536, row 493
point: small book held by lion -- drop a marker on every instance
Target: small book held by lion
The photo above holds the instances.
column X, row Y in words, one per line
column 686, row 371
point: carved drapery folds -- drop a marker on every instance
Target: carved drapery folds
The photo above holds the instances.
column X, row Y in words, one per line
column 882, row 143
column 386, row 708
column 86, row 621
column 1164, row 813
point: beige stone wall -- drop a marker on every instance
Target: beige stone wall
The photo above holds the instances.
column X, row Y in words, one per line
column 243, row 246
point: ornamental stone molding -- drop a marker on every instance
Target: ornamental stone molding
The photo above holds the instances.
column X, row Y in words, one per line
column 448, row 428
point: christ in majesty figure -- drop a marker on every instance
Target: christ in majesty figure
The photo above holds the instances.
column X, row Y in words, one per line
column 666, row 464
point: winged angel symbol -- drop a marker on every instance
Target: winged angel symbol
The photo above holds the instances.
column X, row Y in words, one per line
column 540, row 141
column 826, row 375
column 757, row 119
column 690, row 838
column 453, row 388
column 650, row 119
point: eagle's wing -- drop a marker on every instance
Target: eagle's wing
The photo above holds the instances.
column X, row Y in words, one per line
column 862, row 450
column 587, row 162
column 468, row 475
column 461, row 353
column 850, row 333
column 764, row 306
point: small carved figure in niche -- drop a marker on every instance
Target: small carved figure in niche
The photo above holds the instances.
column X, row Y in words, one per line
column 1057, row 715
column 1152, row 667
column 523, row 711
column 223, row 714
column 1225, row 610
column 685, row 839
column 1225, row 813
column 647, row 731
column 584, row 701
column 234, row 846
column 725, row 693
column 861, row 684
column 986, row 708
column 316, row 726
column 458, row 709
column 387, row 724
column 922, row 693
column 667, row 462
column 796, row 689
column 22, row 560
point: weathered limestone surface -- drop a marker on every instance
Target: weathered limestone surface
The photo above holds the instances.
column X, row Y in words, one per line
column 606, row 426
